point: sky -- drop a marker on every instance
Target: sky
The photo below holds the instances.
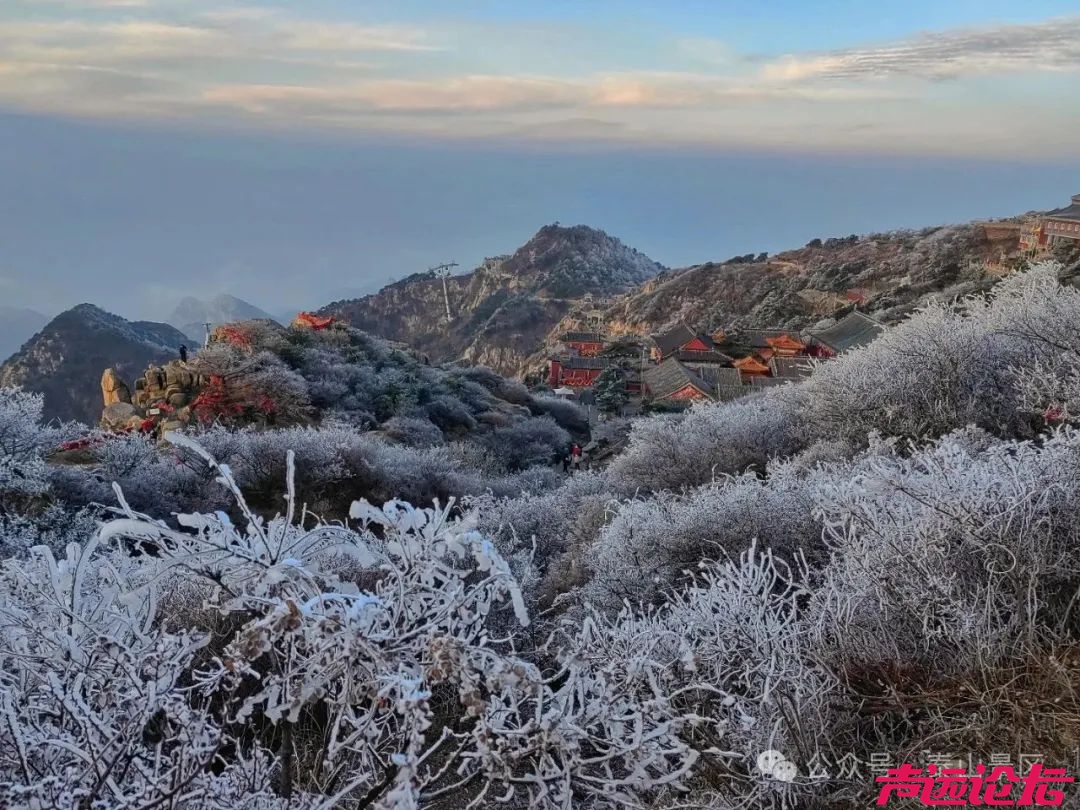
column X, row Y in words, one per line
column 294, row 153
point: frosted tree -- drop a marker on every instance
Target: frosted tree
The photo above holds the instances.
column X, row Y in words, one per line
column 24, row 442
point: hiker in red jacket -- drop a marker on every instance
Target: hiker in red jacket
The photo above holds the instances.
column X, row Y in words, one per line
column 575, row 455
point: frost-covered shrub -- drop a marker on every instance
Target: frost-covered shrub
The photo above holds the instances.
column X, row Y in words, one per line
column 95, row 712
column 412, row 432
column 121, row 456
column 999, row 361
column 549, row 525
column 360, row 668
column 569, row 415
column 732, row 647
column 938, row 371
column 963, row 554
column 511, row 391
column 651, row 546
column 242, row 382
column 527, row 443
column 711, row 440
column 53, row 527
column 450, row 415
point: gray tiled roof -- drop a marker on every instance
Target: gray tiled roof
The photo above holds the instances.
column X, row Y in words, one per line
column 851, row 331
column 667, row 342
column 665, row 379
column 715, row 375
column 1069, row 212
column 791, row 366
column 711, row 356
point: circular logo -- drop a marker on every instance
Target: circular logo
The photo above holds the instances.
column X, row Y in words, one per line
column 773, row 763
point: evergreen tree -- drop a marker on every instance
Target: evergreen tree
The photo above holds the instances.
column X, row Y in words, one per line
column 610, row 390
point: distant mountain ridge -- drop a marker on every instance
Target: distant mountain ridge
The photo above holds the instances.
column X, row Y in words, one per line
column 192, row 314
column 64, row 361
column 502, row 309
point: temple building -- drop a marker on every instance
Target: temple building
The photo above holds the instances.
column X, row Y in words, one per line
column 687, row 345
column 672, row 380
column 575, row 372
column 1064, row 223
column 751, row 366
column 583, row 344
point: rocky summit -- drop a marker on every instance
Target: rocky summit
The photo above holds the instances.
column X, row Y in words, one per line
column 500, row 312
column 64, row 361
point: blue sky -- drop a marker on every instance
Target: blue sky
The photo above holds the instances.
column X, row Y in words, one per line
column 120, row 116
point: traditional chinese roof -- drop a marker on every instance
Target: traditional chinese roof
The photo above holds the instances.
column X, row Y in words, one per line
column 794, row 367
column 712, row 356
column 1069, row 212
column 583, row 362
column 851, row 331
column 785, row 342
column 671, row 376
column 311, row 321
column 582, row 337
column 677, row 337
column 758, row 338
column 751, row 365
column 716, row 376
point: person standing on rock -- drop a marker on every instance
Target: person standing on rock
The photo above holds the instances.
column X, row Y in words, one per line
column 183, row 353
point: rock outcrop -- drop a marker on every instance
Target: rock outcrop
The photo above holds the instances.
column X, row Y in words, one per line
column 162, row 399
column 113, row 389
column 121, row 416
column 173, row 385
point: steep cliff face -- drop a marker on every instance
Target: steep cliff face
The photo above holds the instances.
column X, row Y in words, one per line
column 65, row 359
column 501, row 311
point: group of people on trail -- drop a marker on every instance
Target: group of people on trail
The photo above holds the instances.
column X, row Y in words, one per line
column 572, row 459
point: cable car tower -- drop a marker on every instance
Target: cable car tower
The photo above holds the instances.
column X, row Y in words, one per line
column 443, row 272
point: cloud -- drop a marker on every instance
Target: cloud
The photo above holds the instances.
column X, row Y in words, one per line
column 1051, row 45
column 106, row 4
column 506, row 94
column 320, row 36
column 264, row 66
column 242, row 36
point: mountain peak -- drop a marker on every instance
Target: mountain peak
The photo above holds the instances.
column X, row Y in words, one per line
column 65, row 359
column 192, row 314
column 500, row 311
column 572, row 261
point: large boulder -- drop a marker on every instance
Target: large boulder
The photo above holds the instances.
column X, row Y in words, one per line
column 113, row 389
column 118, row 415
